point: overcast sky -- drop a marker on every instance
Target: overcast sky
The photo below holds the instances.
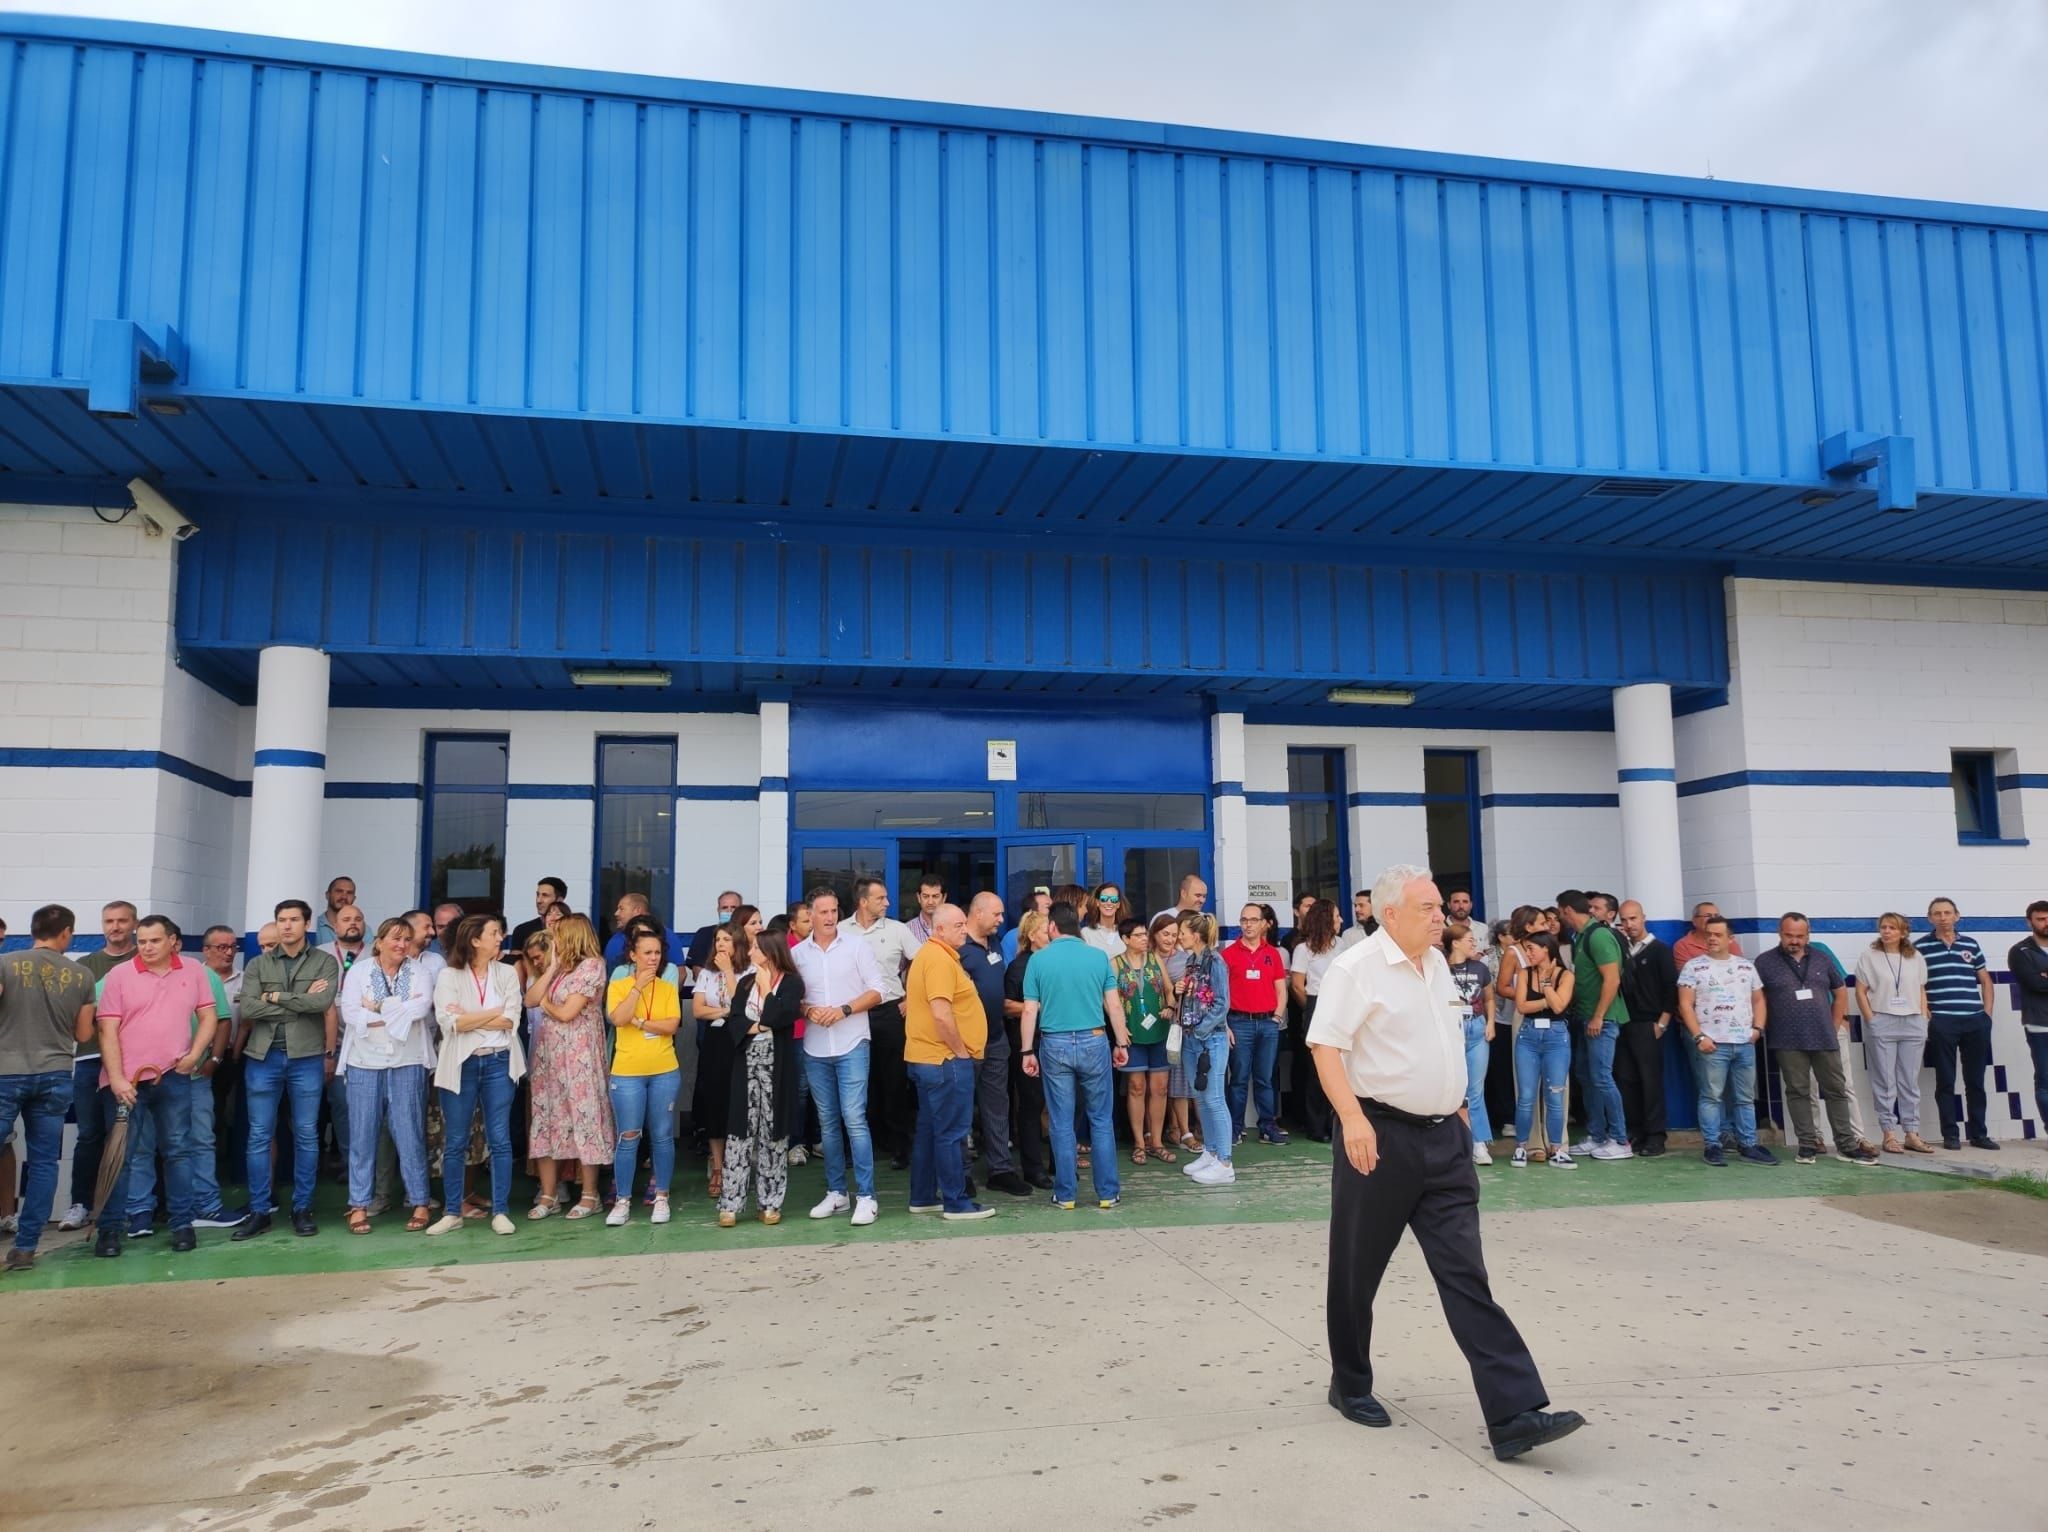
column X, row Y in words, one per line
column 1923, row 98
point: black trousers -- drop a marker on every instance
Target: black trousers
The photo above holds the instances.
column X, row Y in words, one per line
column 1971, row 1038
column 1639, row 1072
column 1424, row 1181
column 892, row 1105
column 1027, row 1114
column 1315, row 1106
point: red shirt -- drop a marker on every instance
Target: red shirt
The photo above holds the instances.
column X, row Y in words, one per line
column 153, row 1012
column 1256, row 976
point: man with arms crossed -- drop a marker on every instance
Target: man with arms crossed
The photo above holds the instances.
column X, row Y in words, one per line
column 1389, row 1049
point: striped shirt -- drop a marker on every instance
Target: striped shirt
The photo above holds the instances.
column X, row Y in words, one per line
column 1952, row 969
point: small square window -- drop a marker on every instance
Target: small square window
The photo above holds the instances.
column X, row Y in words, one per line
column 1973, row 778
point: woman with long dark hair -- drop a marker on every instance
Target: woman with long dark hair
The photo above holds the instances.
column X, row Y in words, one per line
column 477, row 1003
column 764, row 1111
column 711, row 1005
column 1315, row 948
column 1543, row 1045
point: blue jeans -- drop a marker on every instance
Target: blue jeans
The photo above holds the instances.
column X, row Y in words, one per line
column 1604, row 1120
column 1543, row 1061
column 1730, row 1064
column 169, row 1102
column 88, row 1111
column 1213, row 1109
column 40, row 1101
column 938, row 1151
column 1251, row 1069
column 142, row 1148
column 1075, row 1069
column 840, row 1087
column 486, row 1077
column 392, row 1099
column 1477, row 1051
column 645, row 1105
column 267, row 1083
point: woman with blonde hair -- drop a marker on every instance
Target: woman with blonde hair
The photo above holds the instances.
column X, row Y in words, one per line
column 569, row 1109
column 1203, row 999
column 1891, row 993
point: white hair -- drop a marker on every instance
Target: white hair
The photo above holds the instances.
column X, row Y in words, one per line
column 1388, row 887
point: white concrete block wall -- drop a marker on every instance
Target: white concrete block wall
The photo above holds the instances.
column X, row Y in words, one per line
column 1529, row 851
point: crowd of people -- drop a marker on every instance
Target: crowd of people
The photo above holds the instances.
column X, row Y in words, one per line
column 425, row 1061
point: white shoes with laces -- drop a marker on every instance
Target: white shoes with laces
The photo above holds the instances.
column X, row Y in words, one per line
column 835, row 1202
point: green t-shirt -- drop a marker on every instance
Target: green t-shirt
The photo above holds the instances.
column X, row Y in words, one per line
column 1143, row 986
column 1068, row 980
column 1595, row 944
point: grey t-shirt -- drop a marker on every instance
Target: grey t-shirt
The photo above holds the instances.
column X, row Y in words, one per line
column 40, row 995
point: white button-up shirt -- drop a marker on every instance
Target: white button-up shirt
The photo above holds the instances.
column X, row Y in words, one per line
column 1402, row 1032
column 832, row 976
column 893, row 945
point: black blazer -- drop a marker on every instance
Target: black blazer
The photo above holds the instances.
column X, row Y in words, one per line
column 779, row 1014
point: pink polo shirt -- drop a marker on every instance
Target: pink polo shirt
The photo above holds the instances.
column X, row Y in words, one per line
column 154, row 1012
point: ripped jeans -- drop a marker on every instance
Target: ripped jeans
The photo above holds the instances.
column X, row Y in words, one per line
column 645, row 1104
column 1543, row 1058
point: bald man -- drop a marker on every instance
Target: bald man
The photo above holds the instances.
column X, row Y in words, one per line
column 981, row 954
column 945, row 1033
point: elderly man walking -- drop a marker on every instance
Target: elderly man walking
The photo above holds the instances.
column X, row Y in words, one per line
column 1388, row 1041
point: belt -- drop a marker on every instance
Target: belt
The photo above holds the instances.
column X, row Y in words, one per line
column 1381, row 1109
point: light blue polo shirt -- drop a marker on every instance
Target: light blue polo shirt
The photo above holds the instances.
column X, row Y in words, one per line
column 1068, row 980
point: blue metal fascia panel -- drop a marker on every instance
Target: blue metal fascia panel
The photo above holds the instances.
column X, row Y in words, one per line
column 393, row 588
column 452, row 235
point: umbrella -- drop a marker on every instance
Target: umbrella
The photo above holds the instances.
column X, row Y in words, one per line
column 114, row 1151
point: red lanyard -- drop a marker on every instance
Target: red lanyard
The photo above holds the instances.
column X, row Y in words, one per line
column 482, row 989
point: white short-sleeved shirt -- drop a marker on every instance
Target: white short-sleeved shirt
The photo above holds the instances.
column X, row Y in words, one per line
column 1313, row 965
column 833, row 976
column 1721, row 990
column 1401, row 1029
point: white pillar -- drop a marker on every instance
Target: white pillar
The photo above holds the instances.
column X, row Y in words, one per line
column 774, row 882
column 288, row 782
column 1646, row 762
column 1230, row 829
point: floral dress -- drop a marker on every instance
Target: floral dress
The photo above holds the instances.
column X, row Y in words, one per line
column 571, row 1109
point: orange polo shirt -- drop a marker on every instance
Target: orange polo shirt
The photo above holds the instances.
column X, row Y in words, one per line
column 936, row 972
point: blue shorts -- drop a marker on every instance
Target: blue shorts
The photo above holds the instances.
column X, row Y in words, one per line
column 1145, row 1058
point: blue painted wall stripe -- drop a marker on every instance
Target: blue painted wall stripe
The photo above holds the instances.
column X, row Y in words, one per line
column 2033, row 780
column 699, row 792
column 121, row 760
column 1717, row 784
column 1230, row 788
column 775, row 784
column 560, row 791
column 309, row 758
column 1385, row 800
column 374, row 790
column 1646, row 774
column 1550, row 801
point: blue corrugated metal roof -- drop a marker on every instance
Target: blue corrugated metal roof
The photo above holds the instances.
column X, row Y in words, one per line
column 330, row 224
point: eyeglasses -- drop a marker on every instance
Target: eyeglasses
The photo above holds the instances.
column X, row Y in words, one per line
column 220, row 946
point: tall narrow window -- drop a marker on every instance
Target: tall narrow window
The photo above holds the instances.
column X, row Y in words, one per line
column 1450, row 801
column 1973, row 777
column 463, row 835
column 1315, row 823
column 636, row 823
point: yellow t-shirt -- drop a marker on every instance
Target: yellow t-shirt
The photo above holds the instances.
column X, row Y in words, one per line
column 936, row 971
column 639, row 1052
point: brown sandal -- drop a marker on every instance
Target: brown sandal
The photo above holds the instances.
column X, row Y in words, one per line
column 421, row 1217
column 358, row 1221
column 1138, row 1155
column 1162, row 1154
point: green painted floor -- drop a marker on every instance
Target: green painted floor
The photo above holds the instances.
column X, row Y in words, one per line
column 1275, row 1185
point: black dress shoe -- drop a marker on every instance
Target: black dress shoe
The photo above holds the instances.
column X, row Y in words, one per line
column 1986, row 1142
column 899, row 1161
column 107, row 1243
column 1362, row 1409
column 302, row 1223
column 1042, row 1181
column 250, row 1227
column 1532, row 1428
column 1951, row 1142
column 183, row 1240
column 1009, row 1181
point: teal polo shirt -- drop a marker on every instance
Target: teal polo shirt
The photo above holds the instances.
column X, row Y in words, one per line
column 1068, row 980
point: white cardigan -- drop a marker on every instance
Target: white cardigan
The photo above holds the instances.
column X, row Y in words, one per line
column 406, row 1027
column 455, row 995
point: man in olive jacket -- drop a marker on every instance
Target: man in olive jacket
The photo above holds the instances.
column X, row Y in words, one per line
column 288, row 1019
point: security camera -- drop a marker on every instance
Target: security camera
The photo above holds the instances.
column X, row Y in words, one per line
column 159, row 517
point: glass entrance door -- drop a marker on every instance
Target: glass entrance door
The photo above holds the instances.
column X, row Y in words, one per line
column 1029, row 864
column 1148, row 873
column 964, row 866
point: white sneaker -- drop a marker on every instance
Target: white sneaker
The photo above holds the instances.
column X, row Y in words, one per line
column 12, row 1222
column 1481, row 1155
column 835, row 1202
column 1521, row 1156
column 1614, row 1152
column 1217, row 1173
column 621, row 1213
column 865, row 1211
column 77, row 1216
column 1584, row 1146
column 660, row 1210
column 500, row 1224
column 1559, row 1160
column 446, row 1224
column 1198, row 1164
